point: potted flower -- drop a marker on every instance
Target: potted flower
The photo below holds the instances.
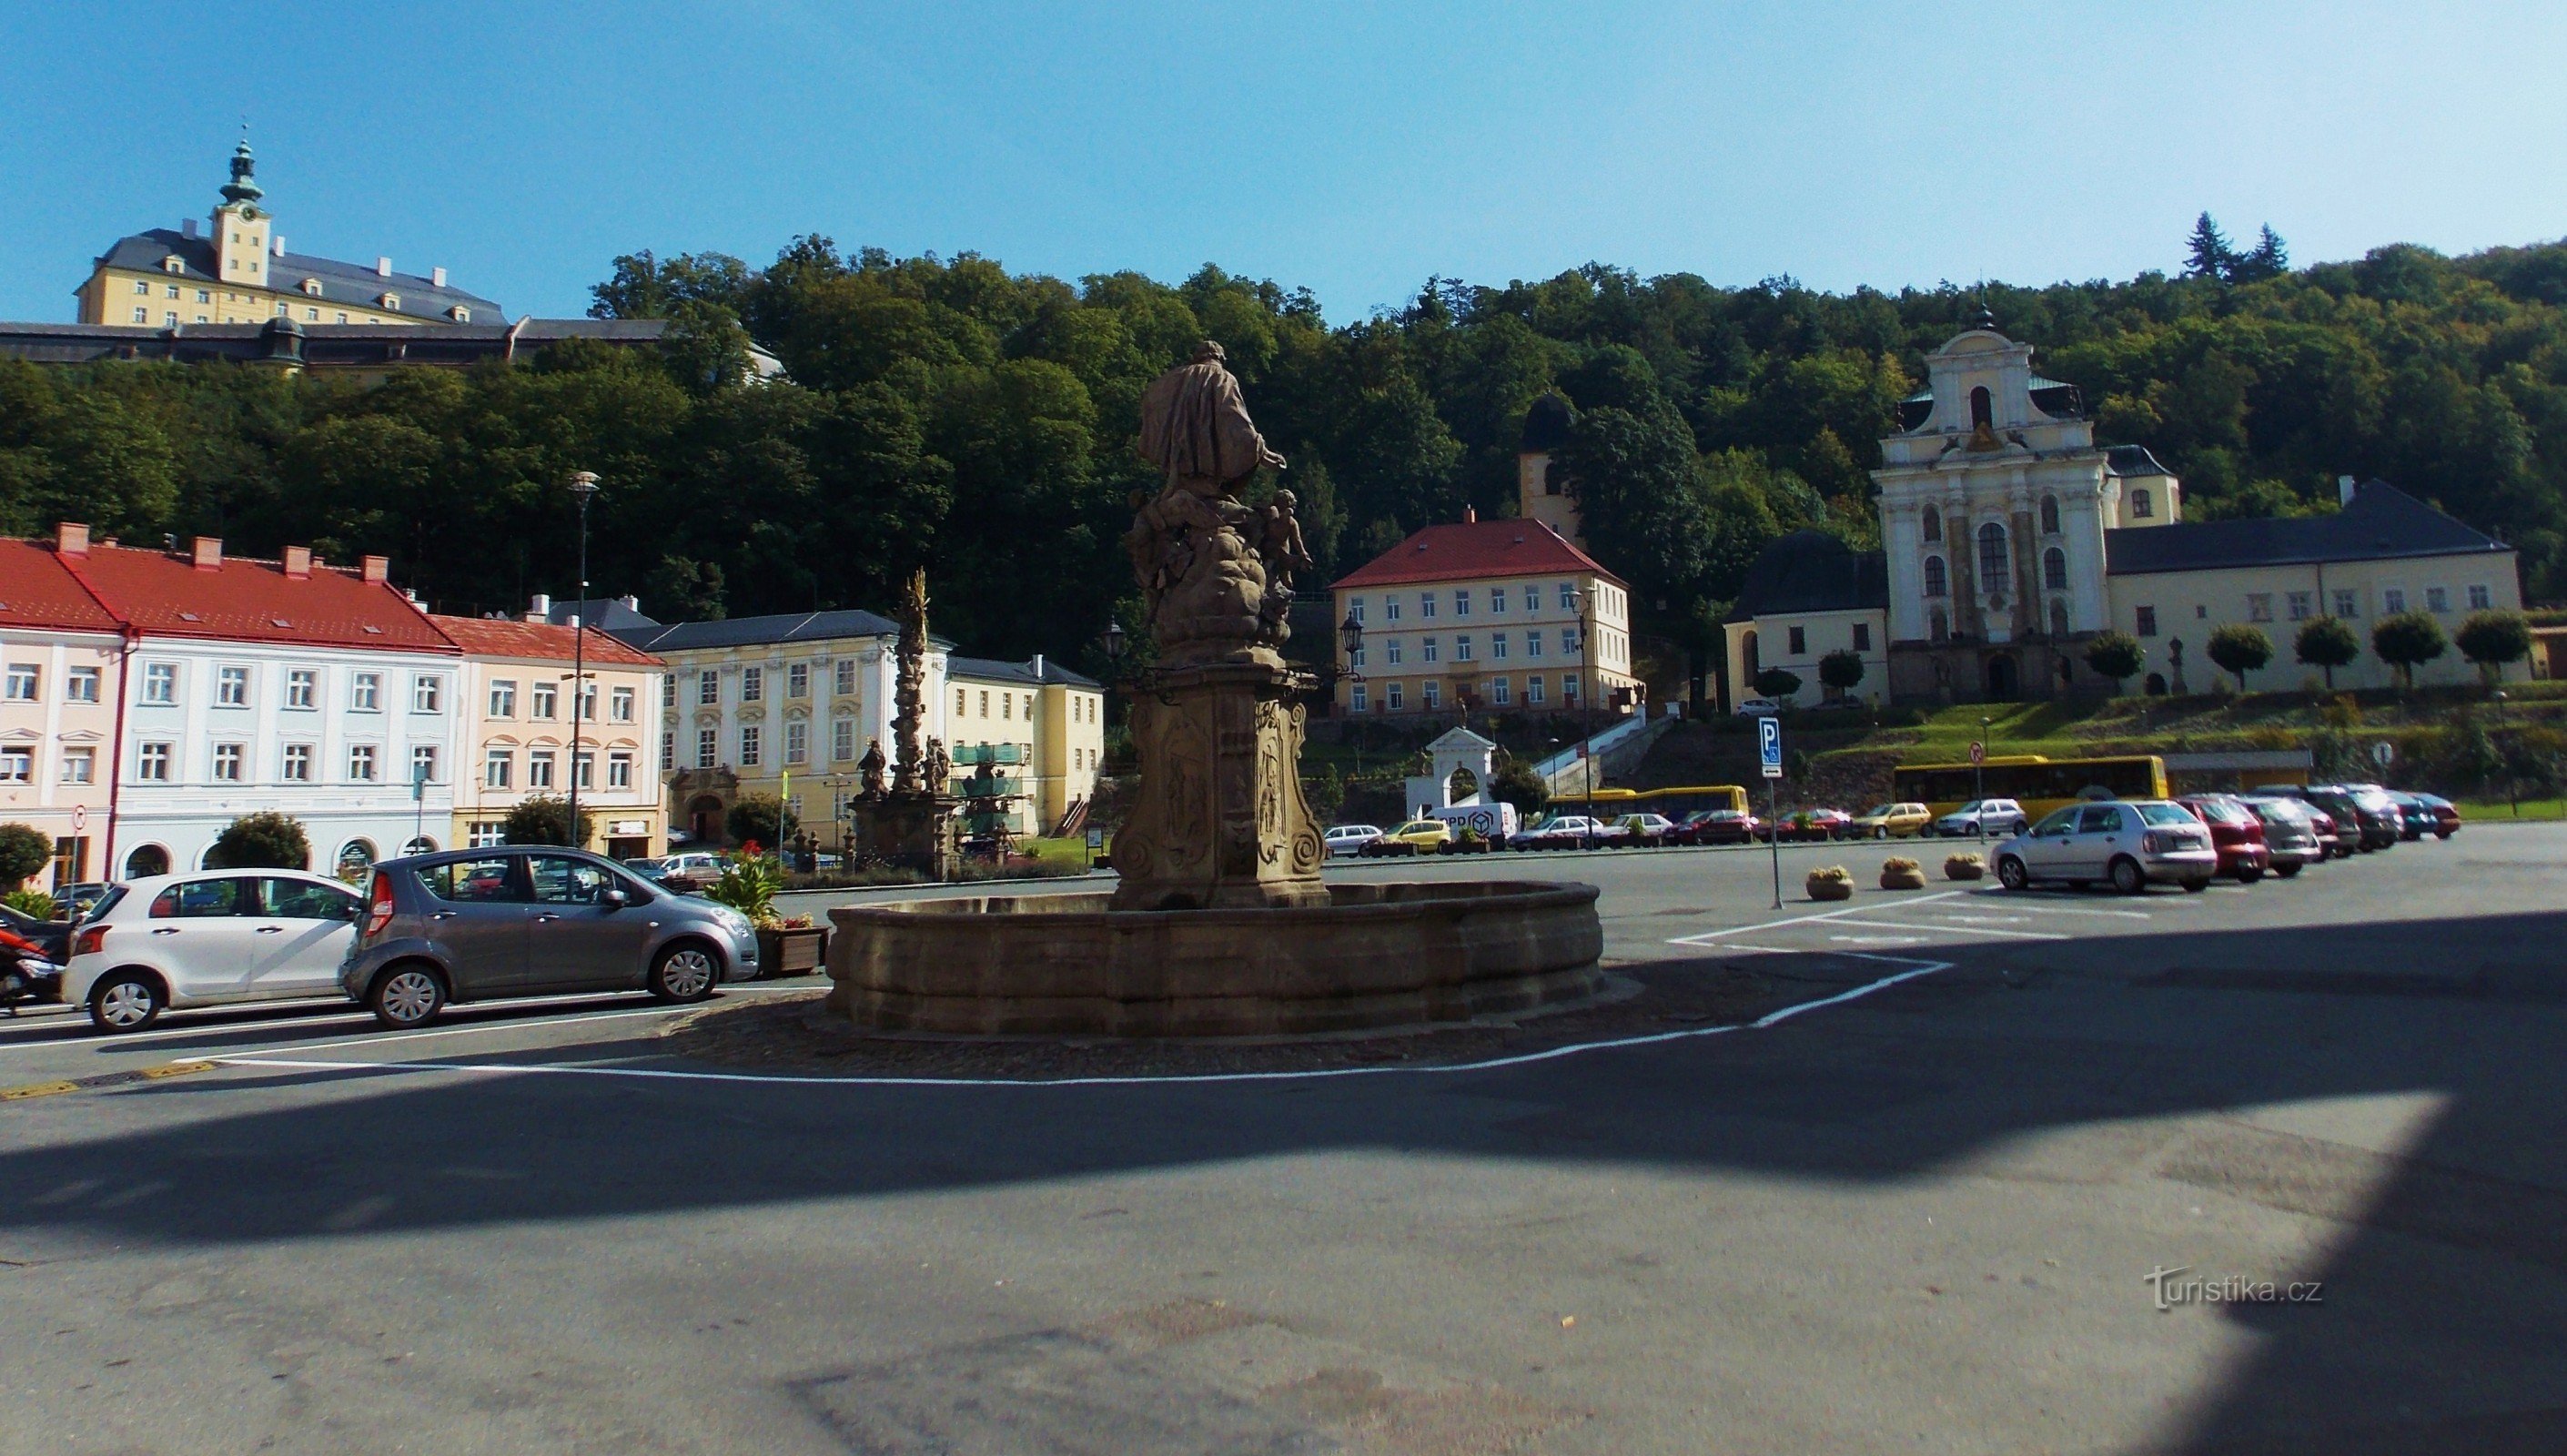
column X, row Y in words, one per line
column 1834, row 882
column 1964, row 867
column 1901, row 873
column 785, row 945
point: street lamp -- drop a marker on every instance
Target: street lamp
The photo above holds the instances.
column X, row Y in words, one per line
column 1578, row 600
column 1351, row 639
column 1979, row 778
column 583, row 487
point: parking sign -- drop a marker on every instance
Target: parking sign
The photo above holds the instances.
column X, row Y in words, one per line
column 1769, row 744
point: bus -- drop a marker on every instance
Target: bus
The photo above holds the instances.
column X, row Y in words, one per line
column 1674, row 803
column 2039, row 783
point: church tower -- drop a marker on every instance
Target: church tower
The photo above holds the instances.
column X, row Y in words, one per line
column 242, row 228
column 1542, row 493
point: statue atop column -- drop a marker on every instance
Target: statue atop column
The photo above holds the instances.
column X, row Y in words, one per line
column 903, row 823
column 909, row 695
column 1216, row 572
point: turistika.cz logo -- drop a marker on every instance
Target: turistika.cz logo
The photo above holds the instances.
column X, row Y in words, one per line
column 2232, row 1289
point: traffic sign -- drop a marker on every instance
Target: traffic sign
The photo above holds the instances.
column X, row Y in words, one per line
column 80, row 817
column 1978, row 753
column 1768, row 746
column 2383, row 752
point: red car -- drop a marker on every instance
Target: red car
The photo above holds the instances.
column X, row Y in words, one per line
column 1810, row 824
column 2236, row 835
column 1716, row 826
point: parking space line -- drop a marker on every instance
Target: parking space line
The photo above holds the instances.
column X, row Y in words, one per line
column 1713, row 935
column 2022, row 935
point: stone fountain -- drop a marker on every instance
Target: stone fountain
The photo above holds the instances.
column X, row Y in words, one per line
column 1222, row 924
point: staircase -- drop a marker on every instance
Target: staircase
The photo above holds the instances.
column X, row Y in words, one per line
column 1617, row 749
column 1073, row 822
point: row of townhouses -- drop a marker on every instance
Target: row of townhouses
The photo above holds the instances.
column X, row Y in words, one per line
column 148, row 697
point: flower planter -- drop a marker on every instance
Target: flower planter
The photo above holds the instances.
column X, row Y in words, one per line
column 1964, row 867
column 791, row 951
column 1901, row 874
column 1830, row 884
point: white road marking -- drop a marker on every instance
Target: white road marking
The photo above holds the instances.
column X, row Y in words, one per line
column 105, row 1043
column 1713, row 935
column 1879, row 940
column 2029, row 909
column 1916, row 968
column 2021, row 934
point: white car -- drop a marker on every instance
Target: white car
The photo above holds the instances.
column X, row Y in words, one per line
column 1759, row 708
column 1348, row 838
column 1997, row 817
column 2128, row 843
column 212, row 938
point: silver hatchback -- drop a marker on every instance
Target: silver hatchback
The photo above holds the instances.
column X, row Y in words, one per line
column 2133, row 843
column 482, row 924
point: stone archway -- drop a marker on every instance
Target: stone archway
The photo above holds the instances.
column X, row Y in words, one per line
column 704, row 815
column 2004, row 680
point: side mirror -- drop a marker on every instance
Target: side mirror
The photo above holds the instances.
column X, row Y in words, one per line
column 614, row 899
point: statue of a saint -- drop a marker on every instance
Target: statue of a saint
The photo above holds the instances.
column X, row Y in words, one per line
column 1202, row 557
column 940, row 766
column 872, row 766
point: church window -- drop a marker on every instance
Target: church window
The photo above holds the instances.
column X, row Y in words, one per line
column 2054, row 569
column 1934, row 524
column 1551, row 477
column 1937, row 582
column 2050, row 515
column 1993, row 564
column 2058, row 619
column 1982, row 409
column 2140, row 508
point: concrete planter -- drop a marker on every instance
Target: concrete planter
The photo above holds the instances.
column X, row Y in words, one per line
column 1964, row 867
column 1830, row 884
column 1377, row 955
column 1901, row 874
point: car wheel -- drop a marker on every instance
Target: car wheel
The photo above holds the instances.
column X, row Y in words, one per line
column 2287, row 870
column 126, row 1000
column 684, row 972
column 2445, row 834
column 2249, row 874
column 2011, row 873
column 2195, row 887
column 407, row 995
column 2127, row 877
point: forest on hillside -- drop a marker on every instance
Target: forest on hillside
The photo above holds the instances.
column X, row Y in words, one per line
column 948, row 412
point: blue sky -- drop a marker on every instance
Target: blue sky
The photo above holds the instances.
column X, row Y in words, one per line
column 1356, row 148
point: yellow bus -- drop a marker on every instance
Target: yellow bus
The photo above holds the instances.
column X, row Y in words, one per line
column 2039, row 783
column 1675, row 803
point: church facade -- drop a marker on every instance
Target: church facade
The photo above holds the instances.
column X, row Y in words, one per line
column 2010, row 539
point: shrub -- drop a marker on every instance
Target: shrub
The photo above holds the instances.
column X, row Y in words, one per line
column 266, row 840
column 24, row 850
column 755, row 820
column 1777, row 683
column 2116, row 655
column 2407, row 642
column 1964, row 867
column 2492, row 639
column 748, row 885
column 1841, row 671
column 33, row 904
column 543, row 819
column 2326, row 642
column 2241, row 649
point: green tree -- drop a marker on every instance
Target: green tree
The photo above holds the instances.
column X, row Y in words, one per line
column 24, row 851
column 266, row 840
column 2407, row 642
column 756, row 818
column 1778, row 684
column 2116, row 655
column 1516, row 783
column 2327, row 642
column 2492, row 639
column 545, row 818
column 2207, row 253
column 2240, row 649
column 2269, row 258
column 1840, row 670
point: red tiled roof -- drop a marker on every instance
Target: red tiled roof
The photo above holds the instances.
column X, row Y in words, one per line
column 1475, row 551
column 35, row 591
column 243, row 600
column 539, row 640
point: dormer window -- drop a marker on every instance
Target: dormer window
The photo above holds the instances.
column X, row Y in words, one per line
column 174, row 264
column 391, row 302
column 311, row 287
column 460, row 314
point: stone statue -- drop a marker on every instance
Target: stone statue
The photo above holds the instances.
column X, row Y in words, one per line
column 1202, row 556
column 871, row 766
column 909, row 686
column 940, row 766
column 1285, row 555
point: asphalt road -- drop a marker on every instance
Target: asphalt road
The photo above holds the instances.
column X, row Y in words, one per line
column 1920, row 1218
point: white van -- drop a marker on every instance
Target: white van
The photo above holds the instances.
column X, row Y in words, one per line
column 1495, row 821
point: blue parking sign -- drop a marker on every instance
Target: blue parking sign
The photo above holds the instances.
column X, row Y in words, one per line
column 1768, row 746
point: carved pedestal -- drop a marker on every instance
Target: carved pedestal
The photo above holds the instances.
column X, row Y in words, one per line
column 1220, row 822
column 907, row 829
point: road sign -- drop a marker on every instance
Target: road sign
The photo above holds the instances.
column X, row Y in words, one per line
column 1978, row 753
column 80, row 817
column 1768, row 746
column 1095, row 838
column 2383, row 752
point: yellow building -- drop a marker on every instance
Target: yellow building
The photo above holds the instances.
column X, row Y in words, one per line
column 239, row 272
column 1495, row 615
column 515, row 741
column 1054, row 716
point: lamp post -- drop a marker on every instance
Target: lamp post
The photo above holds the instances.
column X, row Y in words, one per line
column 1351, row 639
column 1979, row 778
column 1578, row 600
column 2512, row 801
column 583, row 485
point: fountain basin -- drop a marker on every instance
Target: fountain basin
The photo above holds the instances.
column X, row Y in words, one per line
column 1376, row 955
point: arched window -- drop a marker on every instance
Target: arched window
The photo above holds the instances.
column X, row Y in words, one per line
column 146, row 861
column 1746, row 655
column 1938, row 582
column 1933, row 527
column 1993, row 568
column 2141, row 509
column 1983, row 409
column 1941, row 626
column 2058, row 619
column 2054, row 569
column 2050, row 515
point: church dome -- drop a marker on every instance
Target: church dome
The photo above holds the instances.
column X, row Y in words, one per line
column 1547, row 425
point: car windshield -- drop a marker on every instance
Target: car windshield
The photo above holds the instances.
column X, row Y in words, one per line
column 1880, row 811
column 2164, row 814
column 2060, row 821
column 2220, row 811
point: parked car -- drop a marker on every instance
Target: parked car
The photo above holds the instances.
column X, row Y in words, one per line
column 1993, row 818
column 1417, row 836
column 1758, row 708
column 1806, row 825
column 2130, row 844
column 211, row 938
column 482, row 923
column 1643, row 829
column 2383, row 824
column 51, row 937
column 2291, row 834
column 1494, row 820
column 690, row 869
column 2364, row 818
column 2419, row 814
column 2338, row 842
column 2446, row 815
column 2236, row 835
column 1890, row 821
column 74, row 902
column 1559, row 831
column 32, row 953
column 1716, row 826
column 1348, row 838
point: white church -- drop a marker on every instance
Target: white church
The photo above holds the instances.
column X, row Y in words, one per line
column 2010, row 539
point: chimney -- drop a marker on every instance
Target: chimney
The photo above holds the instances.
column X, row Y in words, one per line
column 70, row 539
column 630, row 603
column 437, row 276
column 1470, row 515
column 188, row 226
column 374, row 568
column 298, row 563
column 383, row 267
column 1038, row 666
column 276, row 246
column 2344, row 489
column 209, row 553
column 542, row 608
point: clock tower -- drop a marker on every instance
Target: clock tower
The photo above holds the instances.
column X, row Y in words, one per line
column 241, row 226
